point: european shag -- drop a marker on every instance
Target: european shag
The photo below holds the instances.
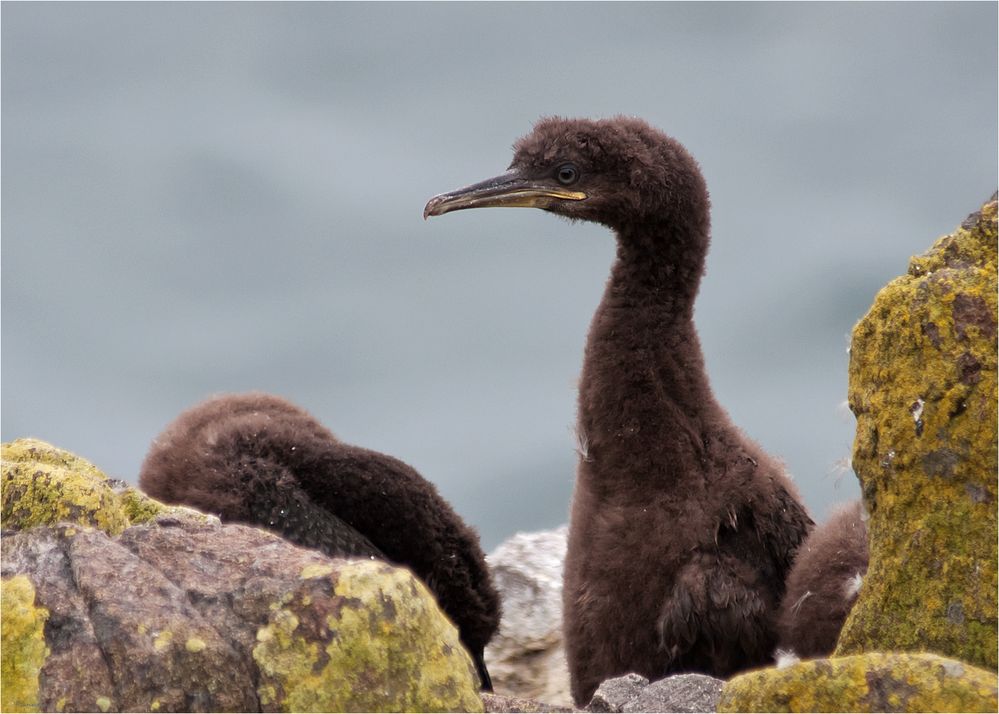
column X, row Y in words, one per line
column 682, row 530
column 825, row 579
column 258, row 459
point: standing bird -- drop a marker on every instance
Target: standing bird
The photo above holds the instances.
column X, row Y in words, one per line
column 682, row 529
column 258, row 459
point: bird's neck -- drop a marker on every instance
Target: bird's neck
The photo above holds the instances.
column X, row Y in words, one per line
column 660, row 266
column 644, row 396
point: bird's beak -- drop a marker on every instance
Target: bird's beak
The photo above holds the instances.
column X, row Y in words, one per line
column 510, row 190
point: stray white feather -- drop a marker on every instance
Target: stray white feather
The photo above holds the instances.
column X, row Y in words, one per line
column 852, row 586
column 785, row 658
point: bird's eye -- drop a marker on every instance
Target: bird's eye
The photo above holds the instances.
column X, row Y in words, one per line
column 566, row 174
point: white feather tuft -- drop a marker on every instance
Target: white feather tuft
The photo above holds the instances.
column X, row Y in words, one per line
column 786, row 658
column 852, row 586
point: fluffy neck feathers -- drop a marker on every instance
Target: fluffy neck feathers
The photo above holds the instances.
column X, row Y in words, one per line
column 644, row 397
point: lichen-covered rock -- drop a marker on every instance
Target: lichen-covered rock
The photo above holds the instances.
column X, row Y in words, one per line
column 526, row 657
column 181, row 613
column 44, row 485
column 375, row 642
column 874, row 682
column 923, row 389
column 22, row 649
column 231, row 618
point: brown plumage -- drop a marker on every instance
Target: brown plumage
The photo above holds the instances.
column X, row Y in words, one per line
column 682, row 530
column 255, row 458
column 823, row 585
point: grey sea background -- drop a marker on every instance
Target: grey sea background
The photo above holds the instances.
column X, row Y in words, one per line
column 217, row 197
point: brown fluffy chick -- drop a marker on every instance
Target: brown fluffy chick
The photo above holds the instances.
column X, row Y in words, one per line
column 825, row 579
column 682, row 529
column 258, row 459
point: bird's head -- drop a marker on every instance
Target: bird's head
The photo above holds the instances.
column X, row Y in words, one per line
column 620, row 172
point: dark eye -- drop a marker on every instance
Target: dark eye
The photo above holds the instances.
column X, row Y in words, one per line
column 566, row 174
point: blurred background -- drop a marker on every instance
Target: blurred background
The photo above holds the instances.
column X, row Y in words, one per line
column 203, row 198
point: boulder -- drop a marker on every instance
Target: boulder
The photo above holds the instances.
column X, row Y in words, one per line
column 923, row 389
column 526, row 657
column 181, row 613
column 613, row 694
column 874, row 682
column 677, row 693
column 517, row 705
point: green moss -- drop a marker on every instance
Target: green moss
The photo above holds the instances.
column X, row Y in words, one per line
column 379, row 643
column 45, row 485
column 923, row 387
column 23, row 650
column 873, row 682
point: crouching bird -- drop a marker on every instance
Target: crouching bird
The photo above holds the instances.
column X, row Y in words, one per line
column 682, row 529
column 823, row 585
column 258, row 459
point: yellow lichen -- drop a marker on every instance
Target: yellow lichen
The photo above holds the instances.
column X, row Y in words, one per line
column 22, row 650
column 194, row 644
column 380, row 644
column 44, row 485
column 316, row 570
column 103, row 703
column 923, row 387
column 162, row 640
column 872, row 682
column 140, row 508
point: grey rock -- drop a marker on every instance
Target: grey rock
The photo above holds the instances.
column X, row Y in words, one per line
column 614, row 694
column 515, row 705
column 679, row 693
column 526, row 657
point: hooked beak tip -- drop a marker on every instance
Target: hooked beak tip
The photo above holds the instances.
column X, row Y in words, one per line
column 431, row 209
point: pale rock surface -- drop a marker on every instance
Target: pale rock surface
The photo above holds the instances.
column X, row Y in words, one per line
column 613, row 694
column 679, row 693
column 526, row 657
